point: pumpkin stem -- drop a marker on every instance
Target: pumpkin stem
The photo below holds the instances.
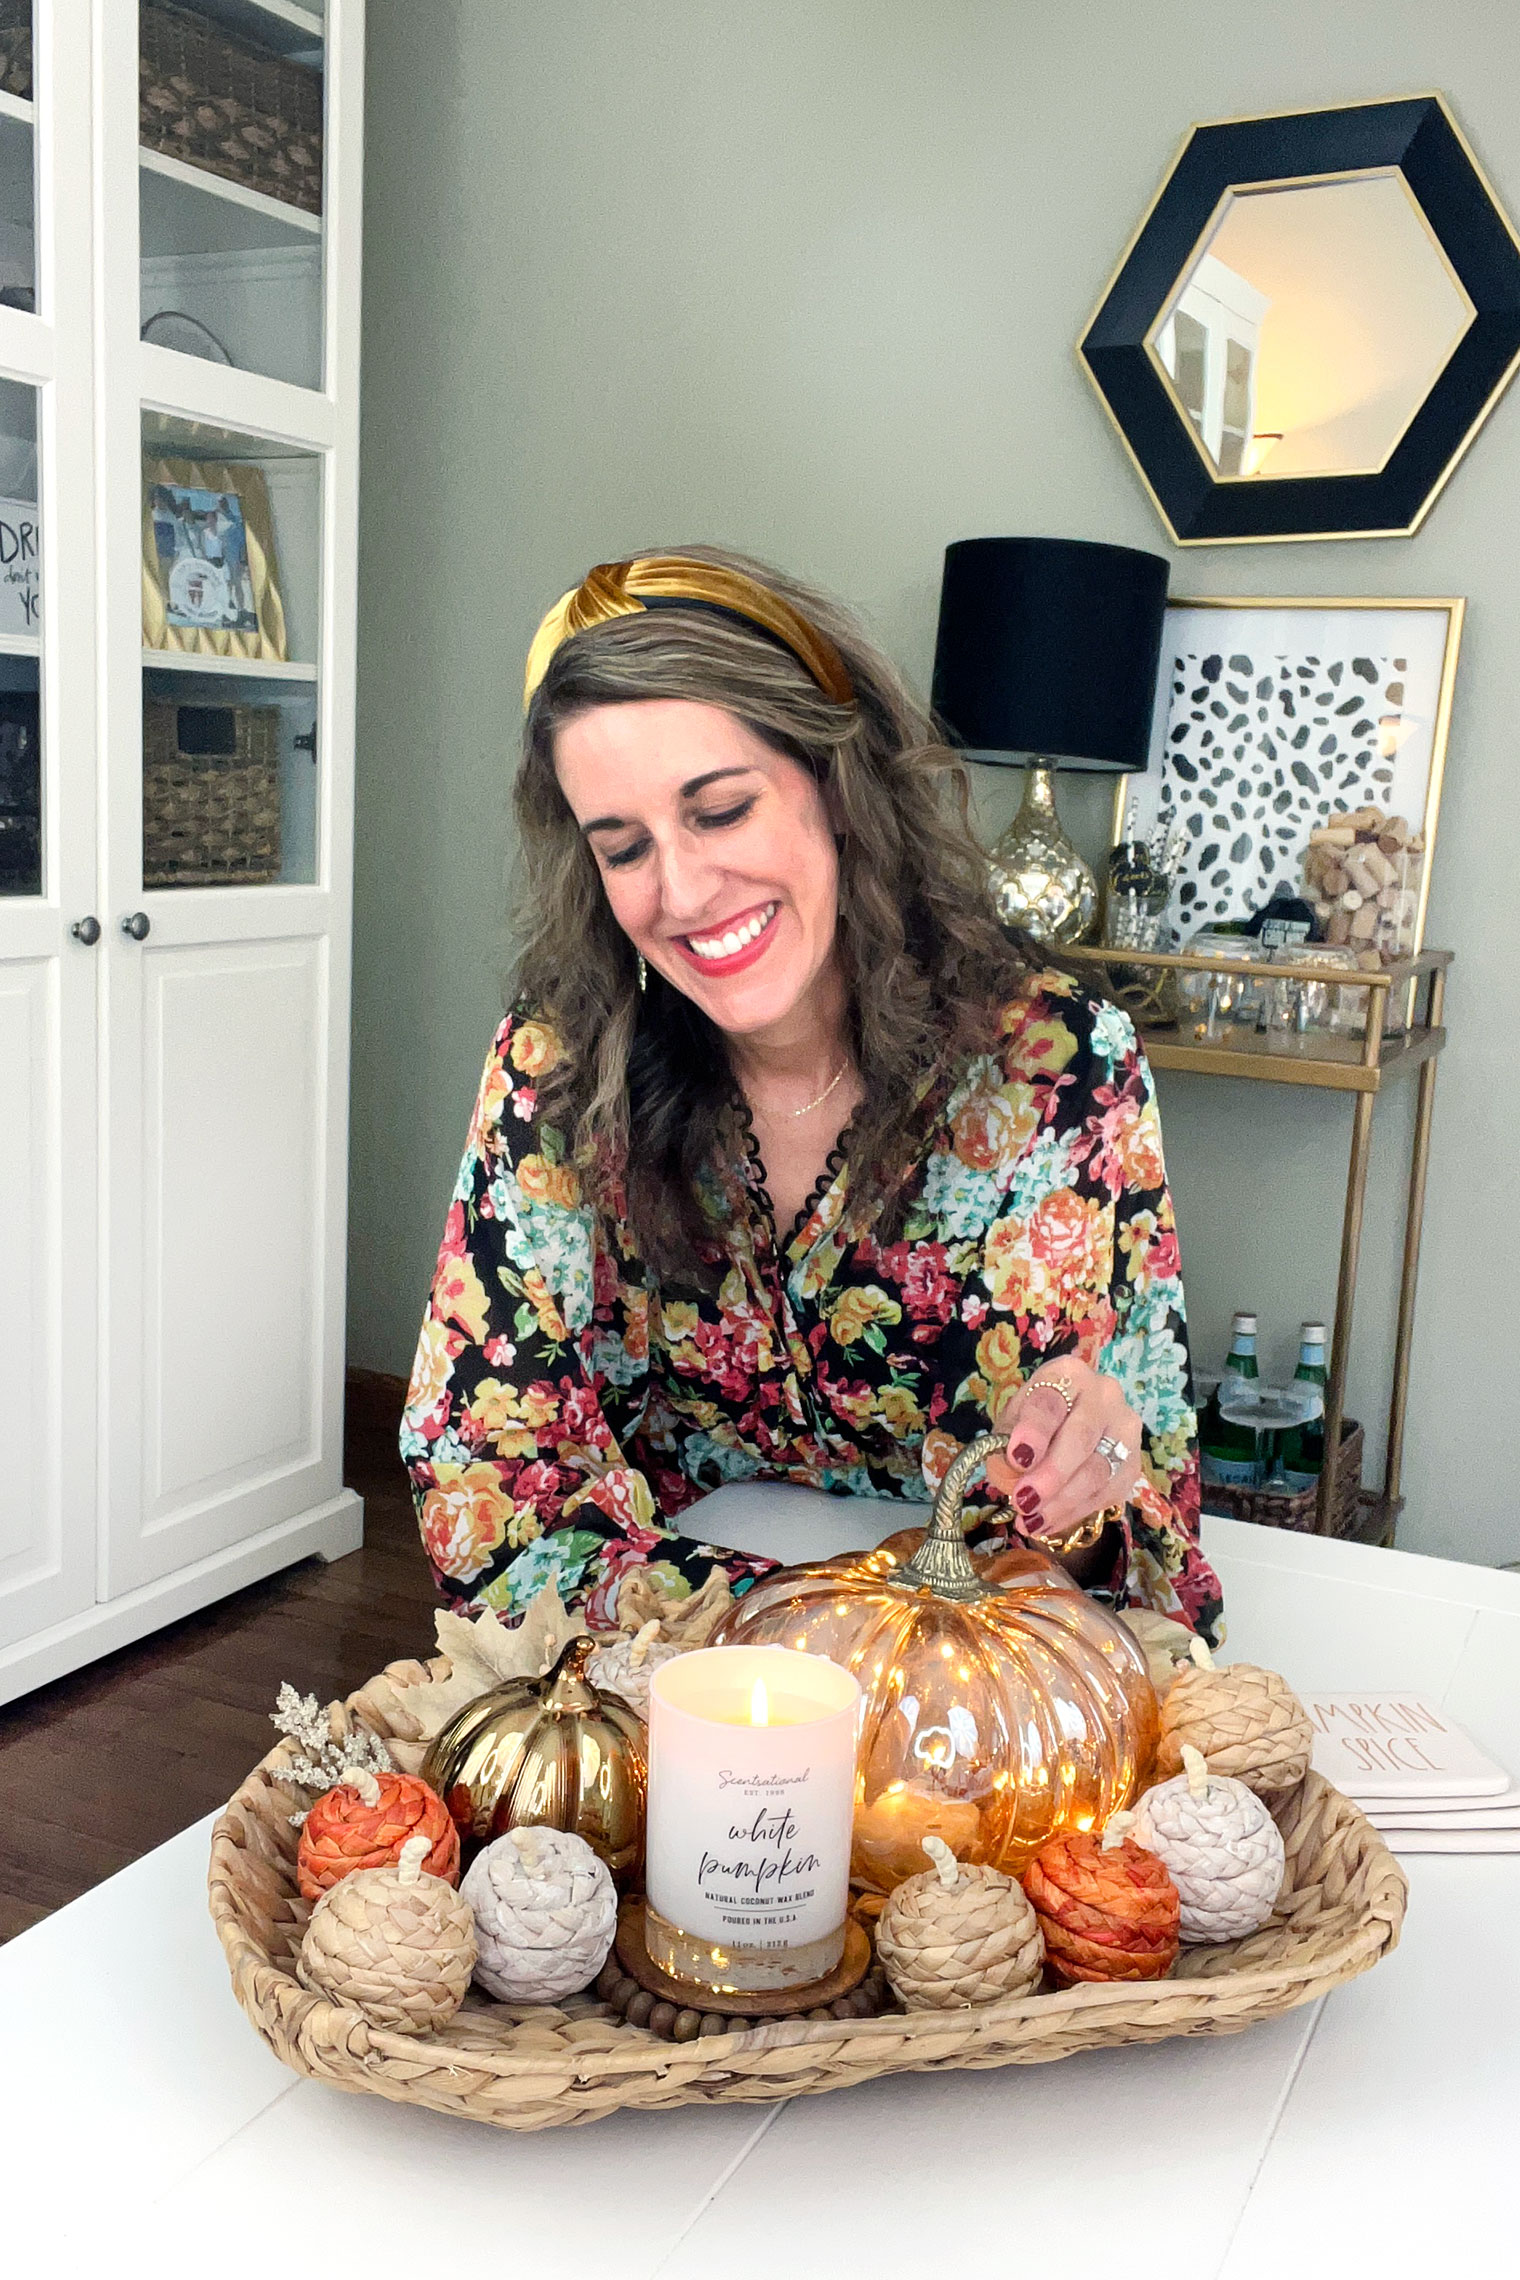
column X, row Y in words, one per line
column 1118, row 1829
column 942, row 1564
column 1196, row 1767
column 364, row 1781
column 947, row 1867
column 643, row 1641
column 568, row 1686
column 1200, row 1653
column 413, row 1853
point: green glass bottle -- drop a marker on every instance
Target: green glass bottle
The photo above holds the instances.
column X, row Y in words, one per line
column 1227, row 1452
column 1303, row 1448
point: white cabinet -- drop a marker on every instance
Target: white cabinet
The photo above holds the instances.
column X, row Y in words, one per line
column 176, row 772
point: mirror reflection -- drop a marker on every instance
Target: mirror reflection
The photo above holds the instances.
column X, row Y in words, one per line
column 1308, row 327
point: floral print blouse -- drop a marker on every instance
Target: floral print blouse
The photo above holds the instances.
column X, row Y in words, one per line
column 564, row 1408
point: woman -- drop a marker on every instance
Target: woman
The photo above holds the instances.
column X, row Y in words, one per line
column 786, row 1165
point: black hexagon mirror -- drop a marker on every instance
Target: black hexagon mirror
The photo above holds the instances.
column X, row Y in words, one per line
column 1310, row 324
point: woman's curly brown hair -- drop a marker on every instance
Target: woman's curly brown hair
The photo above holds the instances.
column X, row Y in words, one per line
column 644, row 1094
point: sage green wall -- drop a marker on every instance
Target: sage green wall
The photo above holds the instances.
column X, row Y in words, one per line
column 805, row 277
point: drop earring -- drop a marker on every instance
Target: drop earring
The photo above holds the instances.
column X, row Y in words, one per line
column 643, row 973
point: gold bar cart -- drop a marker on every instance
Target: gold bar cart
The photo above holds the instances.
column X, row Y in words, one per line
column 1331, row 1062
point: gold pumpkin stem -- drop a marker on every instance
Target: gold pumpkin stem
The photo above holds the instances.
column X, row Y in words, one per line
column 569, row 1687
column 942, row 1564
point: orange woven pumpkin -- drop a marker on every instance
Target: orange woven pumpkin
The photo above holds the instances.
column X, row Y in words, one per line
column 998, row 1708
column 364, row 1821
column 1108, row 1910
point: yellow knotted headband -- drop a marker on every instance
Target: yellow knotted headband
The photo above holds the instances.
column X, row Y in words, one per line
column 622, row 589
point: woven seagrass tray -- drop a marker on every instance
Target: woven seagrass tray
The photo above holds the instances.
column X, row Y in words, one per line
column 1342, row 1908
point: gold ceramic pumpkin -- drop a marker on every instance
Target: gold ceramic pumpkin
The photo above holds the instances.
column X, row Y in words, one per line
column 553, row 1752
column 996, row 1713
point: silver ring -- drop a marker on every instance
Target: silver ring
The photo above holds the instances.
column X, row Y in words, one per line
column 1115, row 1451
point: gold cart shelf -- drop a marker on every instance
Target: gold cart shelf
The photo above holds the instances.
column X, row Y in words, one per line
column 1361, row 1066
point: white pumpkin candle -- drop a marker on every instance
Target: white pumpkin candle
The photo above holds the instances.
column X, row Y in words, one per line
column 751, row 1792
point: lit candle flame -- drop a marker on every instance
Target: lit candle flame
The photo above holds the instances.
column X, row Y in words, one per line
column 759, row 1704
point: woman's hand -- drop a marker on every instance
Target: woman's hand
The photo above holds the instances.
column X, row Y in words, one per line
column 1073, row 1448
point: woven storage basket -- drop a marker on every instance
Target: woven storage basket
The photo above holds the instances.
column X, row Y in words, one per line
column 211, row 818
column 1341, row 1908
column 229, row 106
column 16, row 47
column 1299, row 1509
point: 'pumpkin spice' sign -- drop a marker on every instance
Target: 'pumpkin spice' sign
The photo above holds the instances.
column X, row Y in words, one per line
column 1397, row 1745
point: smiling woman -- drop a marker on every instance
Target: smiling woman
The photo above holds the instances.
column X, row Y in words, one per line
column 785, row 1166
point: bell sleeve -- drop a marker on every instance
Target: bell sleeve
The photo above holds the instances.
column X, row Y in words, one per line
column 1145, row 1351
column 1080, row 1257
column 532, row 1376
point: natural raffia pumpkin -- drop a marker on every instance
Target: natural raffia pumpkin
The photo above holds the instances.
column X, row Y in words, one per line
column 1247, row 1722
column 552, row 1753
column 998, row 1709
column 1108, row 1909
column 395, row 1943
column 957, row 1935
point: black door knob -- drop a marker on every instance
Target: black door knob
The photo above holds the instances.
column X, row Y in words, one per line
column 87, row 931
column 136, row 926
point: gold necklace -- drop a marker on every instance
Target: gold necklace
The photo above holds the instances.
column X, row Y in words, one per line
column 807, row 1109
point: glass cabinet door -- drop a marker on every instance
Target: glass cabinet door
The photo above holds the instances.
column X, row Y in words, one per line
column 21, row 771
column 231, row 183
column 231, row 584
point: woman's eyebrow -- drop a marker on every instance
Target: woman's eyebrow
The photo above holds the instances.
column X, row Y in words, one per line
column 689, row 791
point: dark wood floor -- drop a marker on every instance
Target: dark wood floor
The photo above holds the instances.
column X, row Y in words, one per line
column 100, row 1767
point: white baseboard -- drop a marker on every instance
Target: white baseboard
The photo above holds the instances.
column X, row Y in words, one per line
column 328, row 1530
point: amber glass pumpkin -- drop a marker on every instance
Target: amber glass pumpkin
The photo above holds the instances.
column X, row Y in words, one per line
column 999, row 1709
column 553, row 1752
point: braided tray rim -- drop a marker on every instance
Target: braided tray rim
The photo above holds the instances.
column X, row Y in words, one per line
column 1342, row 1909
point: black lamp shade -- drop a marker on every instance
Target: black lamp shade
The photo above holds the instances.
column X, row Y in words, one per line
column 1048, row 649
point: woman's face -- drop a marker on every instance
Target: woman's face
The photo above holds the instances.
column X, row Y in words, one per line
column 716, row 852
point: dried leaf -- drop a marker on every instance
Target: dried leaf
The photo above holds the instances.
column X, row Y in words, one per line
column 1165, row 1645
column 687, row 1622
column 478, row 1652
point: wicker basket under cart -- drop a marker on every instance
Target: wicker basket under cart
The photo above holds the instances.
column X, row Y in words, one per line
column 1298, row 1508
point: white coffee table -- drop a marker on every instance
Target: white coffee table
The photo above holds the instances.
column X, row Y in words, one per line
column 144, row 2127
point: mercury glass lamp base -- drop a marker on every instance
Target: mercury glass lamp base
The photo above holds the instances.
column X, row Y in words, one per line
column 1039, row 881
column 701, row 1965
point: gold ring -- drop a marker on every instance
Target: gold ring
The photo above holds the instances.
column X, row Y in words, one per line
column 1056, row 1385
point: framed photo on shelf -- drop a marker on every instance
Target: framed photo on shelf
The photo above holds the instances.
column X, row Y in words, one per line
column 1290, row 731
column 209, row 574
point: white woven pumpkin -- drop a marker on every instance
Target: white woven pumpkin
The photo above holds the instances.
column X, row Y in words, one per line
column 545, row 1914
column 1220, row 1846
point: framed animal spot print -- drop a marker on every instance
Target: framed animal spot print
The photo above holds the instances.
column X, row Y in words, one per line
column 1279, row 722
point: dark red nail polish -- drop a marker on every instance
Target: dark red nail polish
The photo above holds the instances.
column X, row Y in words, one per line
column 1022, row 1454
column 1028, row 1501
